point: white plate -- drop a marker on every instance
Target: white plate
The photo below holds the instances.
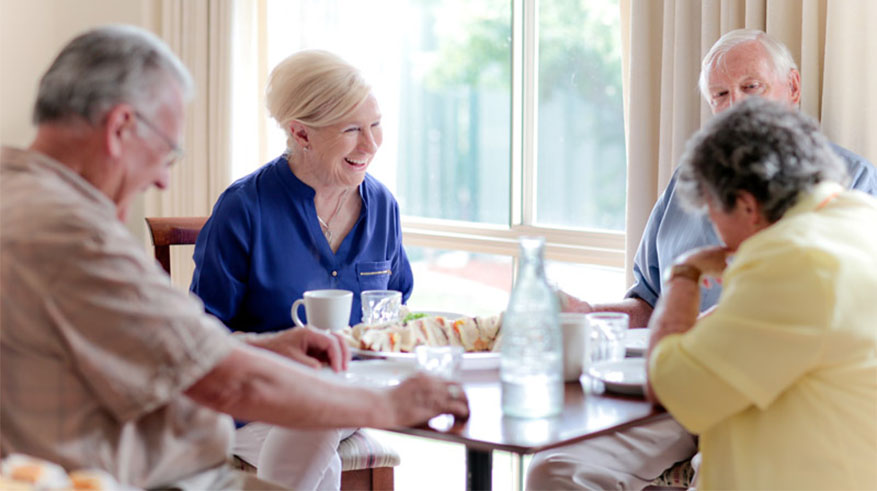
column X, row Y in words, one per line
column 636, row 341
column 627, row 376
column 373, row 373
column 471, row 361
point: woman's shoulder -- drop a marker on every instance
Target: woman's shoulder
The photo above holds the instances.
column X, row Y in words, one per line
column 377, row 190
column 255, row 179
column 249, row 187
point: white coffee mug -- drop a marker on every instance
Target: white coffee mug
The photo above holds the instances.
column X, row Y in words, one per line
column 325, row 309
column 575, row 344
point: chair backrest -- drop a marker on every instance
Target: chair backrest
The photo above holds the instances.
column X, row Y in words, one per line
column 169, row 231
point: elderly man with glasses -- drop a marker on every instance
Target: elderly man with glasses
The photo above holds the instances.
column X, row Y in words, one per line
column 104, row 364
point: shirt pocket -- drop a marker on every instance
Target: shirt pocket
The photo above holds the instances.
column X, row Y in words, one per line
column 373, row 275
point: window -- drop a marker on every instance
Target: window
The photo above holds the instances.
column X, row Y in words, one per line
column 580, row 157
column 501, row 118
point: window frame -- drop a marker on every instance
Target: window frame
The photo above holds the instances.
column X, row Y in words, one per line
column 589, row 246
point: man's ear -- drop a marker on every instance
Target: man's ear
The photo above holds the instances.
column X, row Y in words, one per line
column 300, row 133
column 794, row 82
column 118, row 126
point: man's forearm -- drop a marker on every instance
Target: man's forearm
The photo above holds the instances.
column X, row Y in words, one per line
column 637, row 309
column 258, row 386
column 257, row 339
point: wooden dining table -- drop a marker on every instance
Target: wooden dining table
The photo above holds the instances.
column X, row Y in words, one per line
column 588, row 412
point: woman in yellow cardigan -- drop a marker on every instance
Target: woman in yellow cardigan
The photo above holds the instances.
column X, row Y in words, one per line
column 780, row 379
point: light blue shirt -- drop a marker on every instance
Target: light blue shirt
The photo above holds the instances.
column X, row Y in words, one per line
column 672, row 231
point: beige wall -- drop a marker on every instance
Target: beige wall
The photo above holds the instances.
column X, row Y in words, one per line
column 31, row 33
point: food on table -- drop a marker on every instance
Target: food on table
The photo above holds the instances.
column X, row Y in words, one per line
column 472, row 333
column 37, row 472
column 25, row 472
column 7, row 484
column 92, row 479
column 415, row 315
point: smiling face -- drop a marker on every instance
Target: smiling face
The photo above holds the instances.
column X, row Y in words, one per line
column 747, row 70
column 341, row 153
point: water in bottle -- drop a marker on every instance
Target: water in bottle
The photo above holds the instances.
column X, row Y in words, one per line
column 531, row 366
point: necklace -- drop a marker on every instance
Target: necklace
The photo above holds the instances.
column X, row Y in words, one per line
column 324, row 224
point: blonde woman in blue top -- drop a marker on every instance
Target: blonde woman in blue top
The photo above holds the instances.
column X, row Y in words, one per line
column 310, row 219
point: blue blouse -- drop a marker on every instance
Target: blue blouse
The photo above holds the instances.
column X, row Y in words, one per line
column 672, row 230
column 263, row 247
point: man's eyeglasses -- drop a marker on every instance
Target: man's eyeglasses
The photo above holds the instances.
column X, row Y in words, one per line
column 176, row 151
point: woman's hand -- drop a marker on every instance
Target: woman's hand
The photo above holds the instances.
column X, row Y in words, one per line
column 422, row 396
column 711, row 261
column 308, row 346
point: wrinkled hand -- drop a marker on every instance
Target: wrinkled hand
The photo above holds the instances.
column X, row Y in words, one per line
column 569, row 303
column 308, row 346
column 711, row 261
column 421, row 397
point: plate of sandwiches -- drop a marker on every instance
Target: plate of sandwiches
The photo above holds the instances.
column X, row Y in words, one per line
column 479, row 336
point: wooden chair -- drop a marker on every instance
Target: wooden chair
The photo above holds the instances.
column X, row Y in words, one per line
column 366, row 463
column 171, row 231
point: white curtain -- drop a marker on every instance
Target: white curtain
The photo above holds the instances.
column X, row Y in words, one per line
column 199, row 32
column 664, row 42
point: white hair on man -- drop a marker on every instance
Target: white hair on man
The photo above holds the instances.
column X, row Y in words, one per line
column 779, row 54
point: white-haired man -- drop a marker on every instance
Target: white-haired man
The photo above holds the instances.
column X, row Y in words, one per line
column 104, row 364
column 742, row 63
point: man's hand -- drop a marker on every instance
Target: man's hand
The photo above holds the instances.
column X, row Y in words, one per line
column 421, row 397
column 569, row 303
column 308, row 346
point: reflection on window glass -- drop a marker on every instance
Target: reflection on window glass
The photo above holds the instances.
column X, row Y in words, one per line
column 594, row 284
column 440, row 72
column 458, row 281
column 581, row 157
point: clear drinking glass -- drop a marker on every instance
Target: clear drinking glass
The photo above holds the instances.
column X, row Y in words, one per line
column 441, row 361
column 380, row 306
column 607, row 331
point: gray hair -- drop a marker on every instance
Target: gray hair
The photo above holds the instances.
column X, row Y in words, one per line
column 778, row 53
column 762, row 147
column 107, row 66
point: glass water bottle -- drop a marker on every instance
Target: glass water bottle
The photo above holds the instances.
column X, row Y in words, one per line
column 531, row 367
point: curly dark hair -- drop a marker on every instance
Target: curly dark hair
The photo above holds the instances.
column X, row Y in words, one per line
column 768, row 149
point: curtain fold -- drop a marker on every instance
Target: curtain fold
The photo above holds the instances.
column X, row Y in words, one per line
column 665, row 42
column 200, row 33
column 849, row 104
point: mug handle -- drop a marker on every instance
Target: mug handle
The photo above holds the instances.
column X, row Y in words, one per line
column 295, row 318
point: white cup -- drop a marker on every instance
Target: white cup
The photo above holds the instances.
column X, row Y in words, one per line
column 575, row 344
column 606, row 333
column 326, row 309
column 380, row 306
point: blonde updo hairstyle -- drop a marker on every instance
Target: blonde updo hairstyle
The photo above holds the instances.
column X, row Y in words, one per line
column 314, row 87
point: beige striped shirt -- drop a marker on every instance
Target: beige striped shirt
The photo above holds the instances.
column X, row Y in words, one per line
column 97, row 346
